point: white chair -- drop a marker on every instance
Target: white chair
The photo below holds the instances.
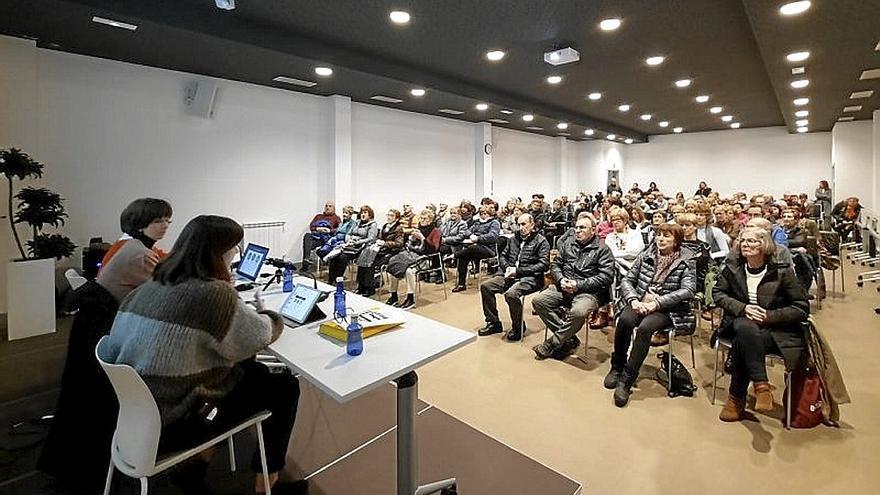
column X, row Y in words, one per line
column 74, row 279
column 133, row 450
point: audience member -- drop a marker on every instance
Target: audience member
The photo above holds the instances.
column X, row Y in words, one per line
column 613, row 187
column 453, row 232
column 321, row 228
column 823, row 197
column 423, row 241
column 703, row 189
column 844, row 216
column 408, row 220
column 481, row 244
column 364, row 233
column 388, row 243
column 776, row 232
column 625, row 243
column 711, row 235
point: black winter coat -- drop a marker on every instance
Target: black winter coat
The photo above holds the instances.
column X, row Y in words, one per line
column 530, row 256
column 591, row 265
column 779, row 293
column 675, row 292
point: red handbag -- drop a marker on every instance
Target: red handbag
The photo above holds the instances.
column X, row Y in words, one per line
column 807, row 398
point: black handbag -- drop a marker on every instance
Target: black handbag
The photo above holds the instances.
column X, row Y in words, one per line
column 682, row 383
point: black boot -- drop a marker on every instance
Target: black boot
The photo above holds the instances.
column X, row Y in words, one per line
column 392, row 300
column 624, row 388
column 491, row 328
column 614, row 375
column 407, row 303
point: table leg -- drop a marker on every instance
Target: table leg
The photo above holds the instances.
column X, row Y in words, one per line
column 407, row 453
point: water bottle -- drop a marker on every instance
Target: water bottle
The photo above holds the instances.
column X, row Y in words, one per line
column 355, row 342
column 288, row 279
column 339, row 299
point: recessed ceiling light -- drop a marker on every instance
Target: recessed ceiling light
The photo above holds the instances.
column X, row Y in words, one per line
column 678, row 130
column 628, row 141
column 870, row 74
column 611, row 137
column 481, row 107
column 417, row 92
column 727, row 118
column 450, row 111
column 716, row 109
column 854, row 108
column 610, row 24
column 399, row 17
column 798, row 70
column 795, row 8
column 564, row 134
column 683, row 83
column 802, row 129
column 797, row 56
column 663, row 123
column 856, row 95
column 702, row 99
column 506, row 112
column 386, row 99
column 845, row 119
column 802, row 113
column 528, row 117
column 735, row 125
column 595, row 96
column 802, row 123
column 535, row 128
column 225, row 4
column 111, row 22
column 323, row 71
column 800, row 83
column 554, row 79
column 624, row 108
column 655, row 60
column 294, row 81
column 562, row 125
column 646, row 116
column 801, row 101
column 495, row 55
column 589, row 132
column 499, row 121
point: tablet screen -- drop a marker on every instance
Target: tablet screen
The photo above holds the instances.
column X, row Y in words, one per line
column 300, row 302
column 252, row 261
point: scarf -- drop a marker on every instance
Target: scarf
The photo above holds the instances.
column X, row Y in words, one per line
column 664, row 263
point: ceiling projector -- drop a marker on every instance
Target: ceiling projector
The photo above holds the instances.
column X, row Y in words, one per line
column 562, row 56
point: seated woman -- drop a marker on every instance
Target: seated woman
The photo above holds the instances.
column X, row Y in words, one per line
column 711, row 235
column 388, row 243
column 556, row 222
column 192, row 340
column 362, row 234
column 844, row 217
column 481, row 244
column 130, row 261
column 764, row 306
column 425, row 240
column 625, row 243
column 349, row 221
column 655, row 295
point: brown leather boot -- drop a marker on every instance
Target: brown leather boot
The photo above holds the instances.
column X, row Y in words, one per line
column 734, row 410
column 763, row 396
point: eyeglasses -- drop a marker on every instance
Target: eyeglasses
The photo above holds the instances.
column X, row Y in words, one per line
column 752, row 242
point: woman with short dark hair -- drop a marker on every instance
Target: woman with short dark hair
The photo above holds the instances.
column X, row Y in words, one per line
column 764, row 306
column 655, row 294
column 192, row 340
column 130, row 261
column 388, row 243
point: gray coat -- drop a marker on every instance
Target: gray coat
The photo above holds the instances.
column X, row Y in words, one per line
column 452, row 232
column 487, row 231
column 675, row 292
column 362, row 234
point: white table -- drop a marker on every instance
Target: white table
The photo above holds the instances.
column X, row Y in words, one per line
column 392, row 355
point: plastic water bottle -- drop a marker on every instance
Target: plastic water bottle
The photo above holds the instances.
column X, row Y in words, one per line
column 339, row 299
column 355, row 342
column 288, row 279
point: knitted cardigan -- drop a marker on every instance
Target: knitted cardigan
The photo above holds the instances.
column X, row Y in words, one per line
column 185, row 341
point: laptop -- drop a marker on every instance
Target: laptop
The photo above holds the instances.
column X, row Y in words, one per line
column 300, row 307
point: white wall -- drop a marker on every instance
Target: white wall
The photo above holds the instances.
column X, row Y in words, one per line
column 402, row 157
column 593, row 161
column 766, row 159
column 852, row 155
column 524, row 164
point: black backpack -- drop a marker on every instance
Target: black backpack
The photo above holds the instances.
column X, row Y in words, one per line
column 682, row 383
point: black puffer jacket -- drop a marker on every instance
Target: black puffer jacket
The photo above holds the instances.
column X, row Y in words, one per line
column 675, row 292
column 487, row 231
column 591, row 265
column 779, row 293
column 530, row 256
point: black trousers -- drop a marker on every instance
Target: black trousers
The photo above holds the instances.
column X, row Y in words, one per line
column 751, row 344
column 259, row 390
column 644, row 327
column 512, row 289
column 472, row 252
column 309, row 245
column 336, row 267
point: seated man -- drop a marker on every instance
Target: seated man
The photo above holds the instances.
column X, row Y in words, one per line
column 480, row 244
column 321, row 228
column 523, row 263
column 582, row 277
column 453, row 232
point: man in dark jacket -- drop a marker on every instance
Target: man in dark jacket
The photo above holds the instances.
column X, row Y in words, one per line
column 582, row 276
column 522, row 263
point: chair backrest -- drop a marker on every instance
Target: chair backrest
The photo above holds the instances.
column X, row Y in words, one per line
column 136, row 440
column 74, row 279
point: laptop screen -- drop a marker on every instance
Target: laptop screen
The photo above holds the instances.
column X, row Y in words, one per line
column 300, row 303
column 252, row 261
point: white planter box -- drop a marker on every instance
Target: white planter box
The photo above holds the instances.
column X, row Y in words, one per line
column 30, row 292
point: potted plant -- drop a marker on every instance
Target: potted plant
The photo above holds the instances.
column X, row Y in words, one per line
column 31, row 278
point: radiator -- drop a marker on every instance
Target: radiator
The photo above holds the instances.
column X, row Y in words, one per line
column 268, row 234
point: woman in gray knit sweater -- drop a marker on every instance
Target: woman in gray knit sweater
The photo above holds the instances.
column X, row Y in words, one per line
column 193, row 340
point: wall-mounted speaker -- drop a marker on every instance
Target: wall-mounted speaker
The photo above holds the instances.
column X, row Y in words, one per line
column 199, row 97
